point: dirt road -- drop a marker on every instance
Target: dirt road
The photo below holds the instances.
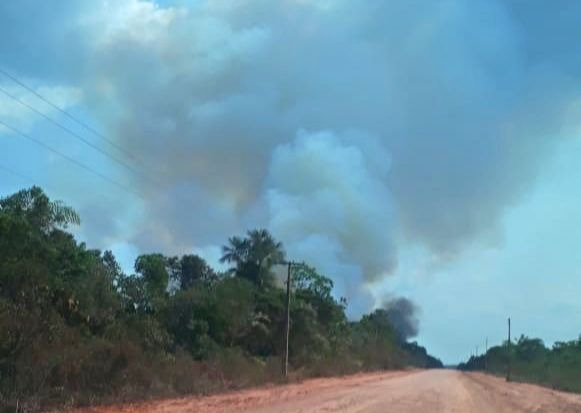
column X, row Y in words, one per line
column 431, row 391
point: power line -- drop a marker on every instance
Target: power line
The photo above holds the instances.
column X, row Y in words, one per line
column 72, row 133
column 16, row 173
column 143, row 173
column 33, row 181
column 67, row 114
column 72, row 160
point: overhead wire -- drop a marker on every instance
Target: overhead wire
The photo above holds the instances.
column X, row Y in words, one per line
column 66, row 113
column 70, row 159
column 69, row 131
column 16, row 173
column 141, row 173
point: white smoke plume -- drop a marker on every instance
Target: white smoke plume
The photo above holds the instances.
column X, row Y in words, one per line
column 349, row 129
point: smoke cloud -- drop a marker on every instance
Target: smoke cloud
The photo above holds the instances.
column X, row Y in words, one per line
column 403, row 315
column 349, row 129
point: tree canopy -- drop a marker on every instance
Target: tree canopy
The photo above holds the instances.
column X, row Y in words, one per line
column 254, row 256
column 530, row 360
column 75, row 327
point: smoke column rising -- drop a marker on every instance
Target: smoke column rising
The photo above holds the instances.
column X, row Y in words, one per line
column 350, row 129
column 403, row 315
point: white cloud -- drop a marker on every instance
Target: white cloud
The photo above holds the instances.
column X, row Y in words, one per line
column 134, row 20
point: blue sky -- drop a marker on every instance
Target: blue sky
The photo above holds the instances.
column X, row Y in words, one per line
column 420, row 149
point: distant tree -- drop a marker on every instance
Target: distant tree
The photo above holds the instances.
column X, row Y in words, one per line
column 236, row 252
column 315, row 289
column 34, row 206
column 254, row 256
column 134, row 295
column 187, row 317
column 375, row 341
column 154, row 270
column 234, row 311
column 191, row 269
column 306, row 278
column 530, row 348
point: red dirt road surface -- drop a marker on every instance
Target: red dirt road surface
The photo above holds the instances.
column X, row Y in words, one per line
column 429, row 391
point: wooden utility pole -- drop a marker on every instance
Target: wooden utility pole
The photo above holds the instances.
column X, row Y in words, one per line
column 486, row 355
column 287, row 324
column 508, row 353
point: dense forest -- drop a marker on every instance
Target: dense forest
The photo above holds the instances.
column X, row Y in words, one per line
column 528, row 359
column 75, row 329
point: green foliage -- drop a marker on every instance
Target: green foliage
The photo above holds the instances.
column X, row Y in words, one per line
column 34, row 206
column 418, row 356
column 319, row 323
column 191, row 270
column 74, row 329
column 307, row 279
column 372, row 336
column 254, row 256
column 154, row 270
column 530, row 360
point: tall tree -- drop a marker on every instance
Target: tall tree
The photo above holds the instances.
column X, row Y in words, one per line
column 154, row 270
column 34, row 206
column 189, row 270
column 254, row 256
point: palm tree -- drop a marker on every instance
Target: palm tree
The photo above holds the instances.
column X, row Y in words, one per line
column 43, row 213
column 235, row 252
column 264, row 249
column 253, row 255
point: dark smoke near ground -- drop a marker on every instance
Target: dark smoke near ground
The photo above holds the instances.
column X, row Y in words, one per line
column 403, row 314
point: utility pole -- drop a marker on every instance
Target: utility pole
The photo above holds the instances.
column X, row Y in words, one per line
column 287, row 323
column 486, row 355
column 508, row 353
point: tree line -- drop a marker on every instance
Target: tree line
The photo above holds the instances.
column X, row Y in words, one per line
column 528, row 359
column 76, row 330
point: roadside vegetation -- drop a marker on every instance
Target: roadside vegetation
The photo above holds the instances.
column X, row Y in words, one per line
column 76, row 330
column 531, row 361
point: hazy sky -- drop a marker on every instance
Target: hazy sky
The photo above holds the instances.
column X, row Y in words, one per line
column 426, row 149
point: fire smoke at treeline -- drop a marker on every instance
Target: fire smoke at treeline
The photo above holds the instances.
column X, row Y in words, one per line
column 349, row 142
